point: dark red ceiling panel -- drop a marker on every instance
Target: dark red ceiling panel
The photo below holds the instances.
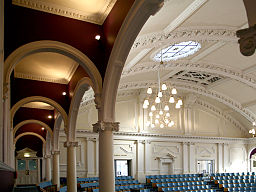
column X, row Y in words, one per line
column 32, row 127
column 25, row 113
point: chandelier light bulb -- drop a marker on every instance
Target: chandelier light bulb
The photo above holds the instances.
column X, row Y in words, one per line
column 177, row 106
column 149, row 91
column 166, row 108
column 150, row 114
column 169, row 125
column 161, row 125
column 174, row 91
column 156, row 121
column 180, row 102
column 153, row 108
column 167, row 115
column 157, row 100
column 161, row 112
column 160, row 94
column 146, row 102
column 171, row 100
column 145, row 106
column 157, row 116
column 166, row 121
column 152, row 125
column 164, row 87
column 148, row 123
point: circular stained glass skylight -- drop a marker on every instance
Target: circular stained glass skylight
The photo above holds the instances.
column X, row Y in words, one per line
column 177, row 51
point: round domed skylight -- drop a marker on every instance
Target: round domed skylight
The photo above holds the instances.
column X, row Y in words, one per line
column 177, row 51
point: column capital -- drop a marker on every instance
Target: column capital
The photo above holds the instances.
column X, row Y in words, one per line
column 91, row 139
column 47, row 156
column 247, row 40
column 55, row 152
column 105, row 126
column 70, row 144
column 139, row 141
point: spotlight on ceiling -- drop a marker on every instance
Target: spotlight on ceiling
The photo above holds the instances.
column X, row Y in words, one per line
column 64, row 93
column 97, row 37
column 49, row 116
column 42, row 128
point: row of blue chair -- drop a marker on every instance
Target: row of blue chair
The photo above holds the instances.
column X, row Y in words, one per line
column 189, row 188
column 176, row 180
column 124, row 178
column 141, row 190
column 232, row 174
column 124, row 182
column 234, row 177
column 89, row 185
column 88, row 179
column 236, row 181
column 63, row 189
column 128, row 187
column 45, row 184
column 171, row 176
column 251, row 189
column 181, row 184
column 231, row 185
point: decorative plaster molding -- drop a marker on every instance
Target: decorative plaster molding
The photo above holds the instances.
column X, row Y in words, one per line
column 55, row 152
column 65, row 11
column 70, row 144
column 222, row 70
column 197, row 33
column 199, row 90
column 47, row 156
column 221, row 114
column 105, row 126
column 247, row 40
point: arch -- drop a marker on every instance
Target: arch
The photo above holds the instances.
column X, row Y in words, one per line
column 29, row 133
column 81, row 87
column 41, row 99
column 56, row 47
column 135, row 19
column 56, row 130
column 19, row 125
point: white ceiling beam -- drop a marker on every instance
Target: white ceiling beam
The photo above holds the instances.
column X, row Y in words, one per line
column 168, row 75
column 207, row 51
column 137, row 58
column 250, row 69
column 249, row 104
column 190, row 10
column 218, row 83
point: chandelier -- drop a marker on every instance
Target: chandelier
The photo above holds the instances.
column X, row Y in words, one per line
column 159, row 101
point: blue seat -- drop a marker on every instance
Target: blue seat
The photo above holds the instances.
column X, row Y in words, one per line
column 95, row 190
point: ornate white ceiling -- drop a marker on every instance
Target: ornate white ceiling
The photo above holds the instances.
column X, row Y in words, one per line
column 93, row 11
column 218, row 71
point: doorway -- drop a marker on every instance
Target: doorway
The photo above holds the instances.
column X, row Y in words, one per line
column 205, row 166
column 122, row 168
column 28, row 171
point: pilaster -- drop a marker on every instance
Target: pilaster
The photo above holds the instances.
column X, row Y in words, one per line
column 185, row 157
column 140, row 160
column 91, row 155
column 220, row 157
column 192, row 163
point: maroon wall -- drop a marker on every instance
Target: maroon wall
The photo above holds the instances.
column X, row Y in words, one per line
column 6, row 180
column 79, row 74
column 21, row 88
column 32, row 127
column 25, row 113
column 31, row 142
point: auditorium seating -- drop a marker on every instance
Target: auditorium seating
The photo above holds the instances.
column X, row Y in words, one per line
column 235, row 181
column 47, row 186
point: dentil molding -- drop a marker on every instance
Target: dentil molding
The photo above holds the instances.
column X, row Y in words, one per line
column 65, row 11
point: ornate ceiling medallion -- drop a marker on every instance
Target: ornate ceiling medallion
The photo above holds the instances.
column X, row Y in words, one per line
column 177, row 51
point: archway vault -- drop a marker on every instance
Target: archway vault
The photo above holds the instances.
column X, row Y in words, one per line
column 29, row 133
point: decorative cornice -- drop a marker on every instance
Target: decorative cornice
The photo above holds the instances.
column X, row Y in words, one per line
column 70, row 144
column 105, row 126
column 55, row 152
column 65, row 11
column 221, row 114
column 197, row 33
column 222, row 70
column 247, row 40
column 196, row 89
column 39, row 78
column 47, row 156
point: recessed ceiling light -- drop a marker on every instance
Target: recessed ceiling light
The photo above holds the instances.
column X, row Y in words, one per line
column 97, row 37
column 42, row 128
column 64, row 93
column 49, row 116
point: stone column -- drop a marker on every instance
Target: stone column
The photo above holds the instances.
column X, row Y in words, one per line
column 148, row 157
column 91, row 161
column 71, row 168
column 220, row 157
column 185, row 157
column 192, row 163
column 48, row 167
column 106, row 160
column 140, row 160
column 56, row 169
